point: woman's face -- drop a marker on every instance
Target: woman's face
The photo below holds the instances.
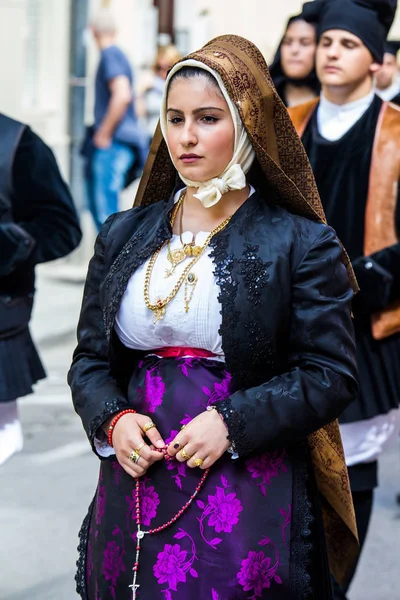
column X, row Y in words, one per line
column 298, row 50
column 200, row 130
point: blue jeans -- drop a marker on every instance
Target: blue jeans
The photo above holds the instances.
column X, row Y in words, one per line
column 106, row 179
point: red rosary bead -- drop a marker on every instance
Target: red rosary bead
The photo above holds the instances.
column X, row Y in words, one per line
column 140, row 533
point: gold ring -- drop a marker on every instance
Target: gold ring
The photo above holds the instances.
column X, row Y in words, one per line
column 185, row 455
column 198, row 462
column 148, row 426
column 138, row 449
column 183, row 427
column 134, row 457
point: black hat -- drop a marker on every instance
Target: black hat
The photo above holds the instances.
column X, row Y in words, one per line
column 392, row 47
column 370, row 20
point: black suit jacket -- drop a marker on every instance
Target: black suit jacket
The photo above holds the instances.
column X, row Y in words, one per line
column 42, row 224
column 286, row 327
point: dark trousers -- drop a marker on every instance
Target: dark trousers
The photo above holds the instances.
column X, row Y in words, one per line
column 361, row 476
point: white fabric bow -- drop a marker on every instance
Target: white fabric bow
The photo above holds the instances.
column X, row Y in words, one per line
column 233, row 179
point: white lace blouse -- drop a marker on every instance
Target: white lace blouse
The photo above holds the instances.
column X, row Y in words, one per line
column 198, row 328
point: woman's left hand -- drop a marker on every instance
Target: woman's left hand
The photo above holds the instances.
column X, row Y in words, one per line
column 204, row 440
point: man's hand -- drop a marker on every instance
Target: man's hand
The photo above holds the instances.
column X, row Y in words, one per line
column 102, row 139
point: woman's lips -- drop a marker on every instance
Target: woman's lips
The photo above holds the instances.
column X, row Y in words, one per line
column 331, row 69
column 187, row 159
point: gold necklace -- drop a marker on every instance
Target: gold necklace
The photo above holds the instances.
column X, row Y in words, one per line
column 159, row 307
column 190, row 249
column 191, row 280
column 177, row 256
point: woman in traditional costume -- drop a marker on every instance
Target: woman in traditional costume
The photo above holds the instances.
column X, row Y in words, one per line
column 293, row 68
column 215, row 352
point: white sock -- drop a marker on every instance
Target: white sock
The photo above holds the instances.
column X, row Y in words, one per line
column 11, row 438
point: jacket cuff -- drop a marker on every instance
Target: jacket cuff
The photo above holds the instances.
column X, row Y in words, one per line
column 101, row 445
column 16, row 247
column 375, row 286
column 111, row 408
column 236, row 425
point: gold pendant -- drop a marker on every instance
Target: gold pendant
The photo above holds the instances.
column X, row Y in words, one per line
column 177, row 256
column 191, row 280
column 196, row 251
column 158, row 314
column 193, row 251
column 169, row 272
column 159, row 311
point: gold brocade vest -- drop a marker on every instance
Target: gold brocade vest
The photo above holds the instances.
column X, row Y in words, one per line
column 380, row 224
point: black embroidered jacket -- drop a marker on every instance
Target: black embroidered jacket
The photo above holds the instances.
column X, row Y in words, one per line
column 286, row 327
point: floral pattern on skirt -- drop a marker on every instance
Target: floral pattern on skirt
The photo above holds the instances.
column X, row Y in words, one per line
column 233, row 543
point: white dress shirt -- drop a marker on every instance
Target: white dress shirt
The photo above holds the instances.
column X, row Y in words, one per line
column 335, row 120
column 390, row 92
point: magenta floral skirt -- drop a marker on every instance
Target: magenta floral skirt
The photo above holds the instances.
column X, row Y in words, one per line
column 248, row 535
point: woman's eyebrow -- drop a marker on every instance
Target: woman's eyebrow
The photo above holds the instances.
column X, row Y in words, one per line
column 196, row 110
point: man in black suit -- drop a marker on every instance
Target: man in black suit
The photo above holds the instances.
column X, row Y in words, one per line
column 38, row 223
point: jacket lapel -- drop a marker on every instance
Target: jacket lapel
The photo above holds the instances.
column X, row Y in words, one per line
column 150, row 234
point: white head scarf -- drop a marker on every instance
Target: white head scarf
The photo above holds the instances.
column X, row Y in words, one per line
column 234, row 175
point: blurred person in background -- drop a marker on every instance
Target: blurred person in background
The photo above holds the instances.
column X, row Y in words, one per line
column 293, row 68
column 215, row 349
column 151, row 96
column 116, row 142
column 387, row 79
column 352, row 139
column 38, row 223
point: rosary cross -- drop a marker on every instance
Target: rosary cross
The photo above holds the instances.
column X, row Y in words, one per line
column 134, row 588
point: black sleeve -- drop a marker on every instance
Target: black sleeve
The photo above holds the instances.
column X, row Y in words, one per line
column 389, row 258
column 321, row 379
column 42, row 203
column 16, row 246
column 95, row 392
column 378, row 276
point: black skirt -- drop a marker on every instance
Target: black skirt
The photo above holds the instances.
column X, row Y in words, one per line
column 20, row 366
column 255, row 525
column 379, row 368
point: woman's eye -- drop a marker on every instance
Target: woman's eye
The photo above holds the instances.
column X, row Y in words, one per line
column 209, row 119
column 175, row 120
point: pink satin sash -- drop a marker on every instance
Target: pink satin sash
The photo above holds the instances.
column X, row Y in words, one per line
column 179, row 352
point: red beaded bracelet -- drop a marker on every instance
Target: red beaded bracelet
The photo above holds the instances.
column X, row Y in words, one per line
column 115, row 421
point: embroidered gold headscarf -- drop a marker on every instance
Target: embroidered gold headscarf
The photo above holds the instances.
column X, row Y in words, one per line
column 285, row 166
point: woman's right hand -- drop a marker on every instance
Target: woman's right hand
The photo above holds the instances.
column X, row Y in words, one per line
column 128, row 435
